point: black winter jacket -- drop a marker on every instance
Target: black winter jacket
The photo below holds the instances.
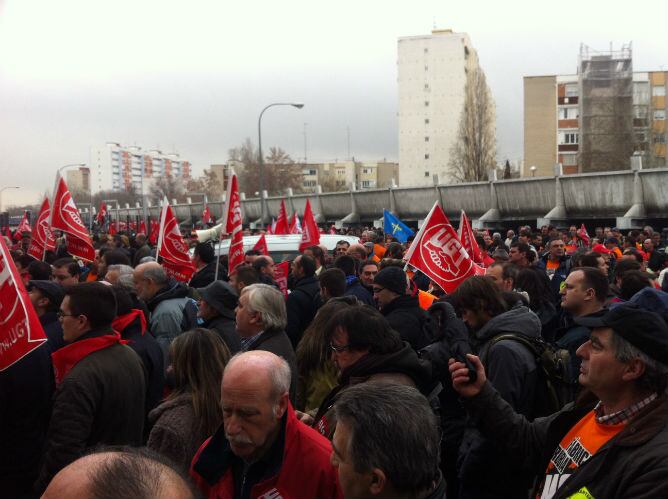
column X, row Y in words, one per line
column 226, row 329
column 53, row 331
column 634, row 463
column 100, row 401
column 301, row 307
column 409, row 320
column 204, row 276
column 355, row 288
column 277, row 342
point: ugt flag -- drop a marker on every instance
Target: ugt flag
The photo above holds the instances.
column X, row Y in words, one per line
column 65, row 217
column 42, row 237
column 171, row 247
column 392, row 225
column 438, row 253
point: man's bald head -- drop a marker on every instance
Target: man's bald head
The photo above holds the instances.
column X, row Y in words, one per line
column 263, row 370
column 125, row 472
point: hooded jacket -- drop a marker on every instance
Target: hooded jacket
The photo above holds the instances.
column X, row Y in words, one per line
column 354, row 288
column 482, row 467
column 301, row 307
column 172, row 312
column 402, row 367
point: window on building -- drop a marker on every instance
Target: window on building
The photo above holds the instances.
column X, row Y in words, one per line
column 659, row 114
column 426, row 68
column 426, row 50
column 366, row 184
column 569, row 160
column 426, row 174
column 571, row 90
column 426, row 121
column 426, row 103
column 658, row 91
column 568, row 113
column 426, row 156
column 659, row 138
column 568, row 137
column 426, row 139
column 640, row 93
column 426, row 86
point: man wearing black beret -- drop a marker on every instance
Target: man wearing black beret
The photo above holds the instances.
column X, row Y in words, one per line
column 613, row 441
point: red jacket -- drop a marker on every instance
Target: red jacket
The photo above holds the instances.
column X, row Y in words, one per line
column 306, row 471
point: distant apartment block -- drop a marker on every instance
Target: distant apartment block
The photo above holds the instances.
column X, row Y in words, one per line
column 343, row 175
column 432, row 74
column 116, row 167
column 79, row 179
column 597, row 119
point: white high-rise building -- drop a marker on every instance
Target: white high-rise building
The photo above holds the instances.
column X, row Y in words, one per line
column 118, row 168
column 432, row 73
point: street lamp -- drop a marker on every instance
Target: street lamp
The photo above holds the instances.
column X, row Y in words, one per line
column 298, row 105
column 3, row 189
column 533, row 171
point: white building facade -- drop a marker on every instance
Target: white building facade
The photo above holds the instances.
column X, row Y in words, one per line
column 119, row 168
column 432, row 73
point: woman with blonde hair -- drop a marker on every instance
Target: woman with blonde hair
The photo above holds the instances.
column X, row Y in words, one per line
column 192, row 411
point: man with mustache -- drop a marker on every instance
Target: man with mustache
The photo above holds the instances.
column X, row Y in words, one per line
column 262, row 450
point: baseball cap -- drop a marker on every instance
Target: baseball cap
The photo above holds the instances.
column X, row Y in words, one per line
column 643, row 329
column 221, row 296
column 52, row 290
column 599, row 248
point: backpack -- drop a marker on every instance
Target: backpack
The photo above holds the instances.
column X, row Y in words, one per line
column 555, row 388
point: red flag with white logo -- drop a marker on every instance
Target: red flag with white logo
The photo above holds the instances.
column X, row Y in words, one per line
column 23, row 227
column 20, row 329
column 172, row 248
column 467, row 239
column 310, row 232
column 281, row 227
column 42, row 238
column 102, row 214
column 438, row 253
column 65, row 216
column 206, row 215
column 232, row 220
column 261, row 246
column 281, row 272
column 295, row 224
column 155, row 228
column 582, row 234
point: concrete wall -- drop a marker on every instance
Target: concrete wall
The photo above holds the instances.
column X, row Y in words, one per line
column 540, row 124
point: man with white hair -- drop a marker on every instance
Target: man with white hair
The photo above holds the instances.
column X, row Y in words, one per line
column 120, row 274
column 261, row 319
column 261, row 449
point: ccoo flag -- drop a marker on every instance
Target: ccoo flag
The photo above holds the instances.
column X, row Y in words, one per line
column 395, row 227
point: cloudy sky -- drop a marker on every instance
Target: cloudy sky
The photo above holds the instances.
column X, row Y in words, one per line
column 192, row 76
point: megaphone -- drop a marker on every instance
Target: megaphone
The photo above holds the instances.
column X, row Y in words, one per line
column 209, row 234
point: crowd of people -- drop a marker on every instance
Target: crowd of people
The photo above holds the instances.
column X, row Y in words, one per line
column 367, row 380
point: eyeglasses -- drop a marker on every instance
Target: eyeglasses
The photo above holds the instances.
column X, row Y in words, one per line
column 377, row 290
column 62, row 314
column 338, row 349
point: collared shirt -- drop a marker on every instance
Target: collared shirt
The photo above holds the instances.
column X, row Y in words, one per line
column 623, row 416
column 246, row 342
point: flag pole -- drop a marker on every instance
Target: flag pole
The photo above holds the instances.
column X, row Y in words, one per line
column 226, row 212
column 418, row 236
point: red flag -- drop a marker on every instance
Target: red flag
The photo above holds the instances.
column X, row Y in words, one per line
column 206, row 215
column 21, row 331
column 102, row 214
column 467, row 239
column 232, row 220
column 438, row 253
column 42, row 237
column 281, row 272
column 270, row 228
column 65, row 216
column 282, row 221
column 261, row 246
column 171, row 247
column 155, row 228
column 582, row 234
column 142, row 227
column 24, row 226
column 295, row 224
column 310, row 233
column 332, row 230
column 112, row 229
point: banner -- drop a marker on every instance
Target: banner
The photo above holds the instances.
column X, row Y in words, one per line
column 295, row 224
column 42, row 238
column 102, row 214
column 23, row 227
column 20, row 329
column 65, row 216
column 261, row 246
column 171, row 247
column 281, row 272
column 438, row 253
column 392, row 225
column 232, row 220
column 465, row 234
column 281, row 226
column 155, row 228
column 310, row 233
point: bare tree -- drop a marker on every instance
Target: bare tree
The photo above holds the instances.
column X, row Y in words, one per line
column 475, row 147
column 166, row 186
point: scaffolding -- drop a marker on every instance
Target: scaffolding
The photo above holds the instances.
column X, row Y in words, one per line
column 606, row 109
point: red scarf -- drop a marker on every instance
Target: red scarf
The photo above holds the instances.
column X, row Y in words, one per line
column 123, row 321
column 65, row 358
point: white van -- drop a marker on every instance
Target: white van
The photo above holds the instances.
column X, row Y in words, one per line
column 284, row 247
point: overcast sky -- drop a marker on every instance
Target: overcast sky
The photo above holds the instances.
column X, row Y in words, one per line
column 192, row 76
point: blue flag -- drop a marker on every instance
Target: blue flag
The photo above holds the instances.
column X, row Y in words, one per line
column 392, row 225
